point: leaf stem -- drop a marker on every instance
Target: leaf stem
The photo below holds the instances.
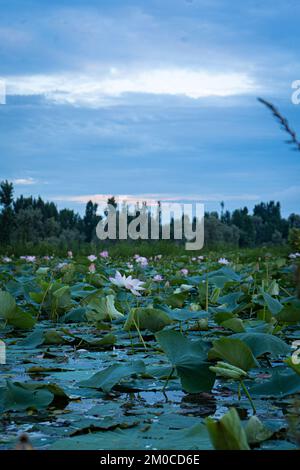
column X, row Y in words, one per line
column 168, row 380
column 248, row 396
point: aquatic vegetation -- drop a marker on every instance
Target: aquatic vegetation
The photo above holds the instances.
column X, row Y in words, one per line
column 183, row 353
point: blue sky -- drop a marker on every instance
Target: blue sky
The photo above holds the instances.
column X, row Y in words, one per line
column 150, row 100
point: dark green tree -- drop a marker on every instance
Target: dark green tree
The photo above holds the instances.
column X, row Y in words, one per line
column 241, row 219
column 90, row 221
column 7, row 213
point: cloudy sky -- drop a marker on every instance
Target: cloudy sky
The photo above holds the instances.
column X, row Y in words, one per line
column 149, row 99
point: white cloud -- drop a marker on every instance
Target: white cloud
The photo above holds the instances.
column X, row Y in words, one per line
column 24, row 181
column 96, row 88
column 290, row 193
column 152, row 199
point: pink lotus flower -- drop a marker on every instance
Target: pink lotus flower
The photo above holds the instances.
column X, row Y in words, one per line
column 158, row 278
column 92, row 268
column 92, row 258
column 184, row 271
column 29, row 259
column 70, row 254
column 104, row 254
column 134, row 285
column 142, row 261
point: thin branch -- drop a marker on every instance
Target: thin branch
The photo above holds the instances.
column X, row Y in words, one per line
column 283, row 122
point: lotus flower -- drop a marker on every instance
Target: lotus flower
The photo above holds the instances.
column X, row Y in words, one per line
column 142, row 261
column 92, row 258
column 184, row 271
column 223, row 261
column 70, row 254
column 104, row 254
column 6, row 259
column 134, row 285
column 158, row 278
column 29, row 259
column 294, row 255
column 92, row 268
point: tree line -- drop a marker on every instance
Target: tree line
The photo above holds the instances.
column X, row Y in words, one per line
column 29, row 220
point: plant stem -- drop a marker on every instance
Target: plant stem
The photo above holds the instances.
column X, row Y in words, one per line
column 140, row 334
column 206, row 300
column 248, row 396
column 168, row 380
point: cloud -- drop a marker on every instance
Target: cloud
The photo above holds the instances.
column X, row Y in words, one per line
column 95, row 89
column 24, row 181
column 152, row 199
column 292, row 193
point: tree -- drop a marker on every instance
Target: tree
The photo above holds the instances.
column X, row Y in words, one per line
column 29, row 226
column 7, row 214
column 294, row 221
column 270, row 215
column 68, row 219
column 90, row 221
column 241, row 219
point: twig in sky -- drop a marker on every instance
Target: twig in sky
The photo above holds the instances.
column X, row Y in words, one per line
column 284, row 123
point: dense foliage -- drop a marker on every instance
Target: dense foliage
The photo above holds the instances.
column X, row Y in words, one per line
column 171, row 352
column 38, row 226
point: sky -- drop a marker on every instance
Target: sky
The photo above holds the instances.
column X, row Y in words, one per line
column 150, row 100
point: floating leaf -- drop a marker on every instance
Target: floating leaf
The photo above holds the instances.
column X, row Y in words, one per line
column 261, row 343
column 16, row 396
column 106, row 379
column 282, row 383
